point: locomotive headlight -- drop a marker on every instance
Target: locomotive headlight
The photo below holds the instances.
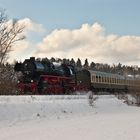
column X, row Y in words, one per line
column 18, row 82
column 32, row 81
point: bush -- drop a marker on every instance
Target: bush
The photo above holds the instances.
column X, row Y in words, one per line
column 8, row 80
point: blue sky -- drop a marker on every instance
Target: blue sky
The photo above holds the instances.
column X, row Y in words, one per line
column 117, row 17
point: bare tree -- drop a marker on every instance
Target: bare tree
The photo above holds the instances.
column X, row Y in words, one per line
column 10, row 32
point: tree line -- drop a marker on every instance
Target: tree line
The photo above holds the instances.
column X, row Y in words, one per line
column 114, row 68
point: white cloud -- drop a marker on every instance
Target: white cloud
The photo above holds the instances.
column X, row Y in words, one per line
column 31, row 26
column 90, row 41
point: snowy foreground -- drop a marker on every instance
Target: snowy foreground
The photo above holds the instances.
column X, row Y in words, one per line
column 67, row 118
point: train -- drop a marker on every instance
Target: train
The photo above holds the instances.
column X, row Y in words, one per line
column 45, row 77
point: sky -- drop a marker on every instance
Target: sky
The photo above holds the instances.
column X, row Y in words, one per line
column 103, row 31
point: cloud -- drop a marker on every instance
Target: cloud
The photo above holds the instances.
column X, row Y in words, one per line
column 31, row 26
column 24, row 48
column 90, row 41
column 20, row 51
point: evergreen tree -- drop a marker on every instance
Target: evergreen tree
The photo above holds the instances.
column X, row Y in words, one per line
column 86, row 65
column 66, row 61
column 52, row 59
column 72, row 62
column 45, row 59
column 92, row 66
column 79, row 63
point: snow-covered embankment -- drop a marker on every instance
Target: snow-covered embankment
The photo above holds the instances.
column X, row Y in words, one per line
column 16, row 108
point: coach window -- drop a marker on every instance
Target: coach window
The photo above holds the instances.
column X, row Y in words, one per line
column 93, row 78
column 109, row 79
column 112, row 80
column 130, row 82
column 115, row 80
column 123, row 81
column 127, row 82
column 100, row 79
column 119, row 81
column 104, row 79
column 97, row 79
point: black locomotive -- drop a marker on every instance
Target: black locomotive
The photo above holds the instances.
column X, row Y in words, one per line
column 44, row 77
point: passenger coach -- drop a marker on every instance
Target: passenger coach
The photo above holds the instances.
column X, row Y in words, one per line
column 107, row 82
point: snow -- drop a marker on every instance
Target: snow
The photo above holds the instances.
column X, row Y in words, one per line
column 67, row 118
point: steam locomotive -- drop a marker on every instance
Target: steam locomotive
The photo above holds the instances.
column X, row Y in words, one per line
column 44, row 77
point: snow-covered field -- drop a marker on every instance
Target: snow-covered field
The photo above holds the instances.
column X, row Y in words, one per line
column 67, row 118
